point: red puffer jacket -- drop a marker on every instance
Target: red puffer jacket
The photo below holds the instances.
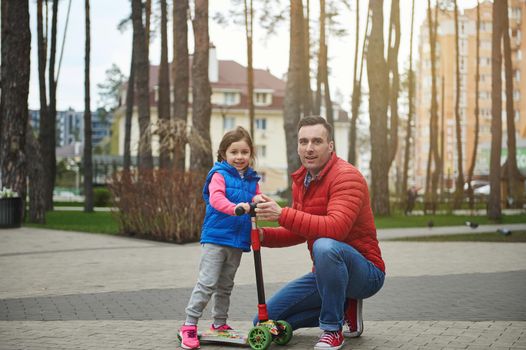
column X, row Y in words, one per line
column 336, row 205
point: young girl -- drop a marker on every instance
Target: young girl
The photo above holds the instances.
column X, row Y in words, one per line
column 224, row 237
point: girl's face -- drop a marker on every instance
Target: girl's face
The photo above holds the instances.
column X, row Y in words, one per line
column 238, row 155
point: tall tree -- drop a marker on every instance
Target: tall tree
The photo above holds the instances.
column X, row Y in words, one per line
column 16, row 46
column 494, row 202
column 249, row 31
column 163, row 103
column 42, row 58
column 357, row 86
column 201, row 156
column 47, row 135
column 35, row 181
column 319, row 74
column 394, row 88
column 88, row 163
column 410, row 97
column 307, row 98
column 142, row 71
column 433, row 155
column 181, row 79
column 471, row 169
column 515, row 179
column 459, row 186
column 293, row 90
column 377, row 73
column 130, row 97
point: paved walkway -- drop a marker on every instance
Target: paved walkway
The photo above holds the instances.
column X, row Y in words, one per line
column 68, row 290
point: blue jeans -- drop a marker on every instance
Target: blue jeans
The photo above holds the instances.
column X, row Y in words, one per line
column 318, row 298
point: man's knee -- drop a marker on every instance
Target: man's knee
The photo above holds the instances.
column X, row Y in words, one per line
column 325, row 247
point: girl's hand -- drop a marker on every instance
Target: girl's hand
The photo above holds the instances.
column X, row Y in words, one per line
column 258, row 199
column 245, row 206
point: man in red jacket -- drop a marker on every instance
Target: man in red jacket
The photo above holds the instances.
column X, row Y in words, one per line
column 330, row 211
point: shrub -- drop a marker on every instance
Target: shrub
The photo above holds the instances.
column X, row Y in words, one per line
column 101, row 197
column 160, row 204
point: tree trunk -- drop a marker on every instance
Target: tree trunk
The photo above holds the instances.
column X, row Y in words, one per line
column 42, row 58
column 459, row 186
column 249, row 30
column 471, row 169
column 88, row 163
column 494, row 203
column 320, row 73
column 329, row 114
column 35, row 183
column 293, row 91
column 130, row 92
column 201, row 156
column 16, row 46
column 410, row 96
column 377, row 73
column 47, row 135
column 515, row 179
column 181, row 79
column 141, row 71
column 163, row 105
column 307, row 99
column 357, row 95
column 392, row 63
column 433, row 157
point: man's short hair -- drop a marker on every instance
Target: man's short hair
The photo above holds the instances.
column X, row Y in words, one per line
column 315, row 120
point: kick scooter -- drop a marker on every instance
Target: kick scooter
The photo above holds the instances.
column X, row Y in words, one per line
column 266, row 331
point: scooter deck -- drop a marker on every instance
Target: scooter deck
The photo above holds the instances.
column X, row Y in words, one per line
column 231, row 337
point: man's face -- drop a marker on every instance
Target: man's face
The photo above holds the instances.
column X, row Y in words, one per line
column 313, row 147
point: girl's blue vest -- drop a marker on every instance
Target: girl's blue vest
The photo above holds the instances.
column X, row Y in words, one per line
column 223, row 229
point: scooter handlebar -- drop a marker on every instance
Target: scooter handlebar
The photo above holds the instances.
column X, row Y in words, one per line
column 240, row 210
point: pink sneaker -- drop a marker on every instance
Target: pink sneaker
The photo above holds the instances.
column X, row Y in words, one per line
column 353, row 318
column 222, row 328
column 330, row 341
column 188, row 335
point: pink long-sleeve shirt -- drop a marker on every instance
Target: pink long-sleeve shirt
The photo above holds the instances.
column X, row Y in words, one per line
column 218, row 198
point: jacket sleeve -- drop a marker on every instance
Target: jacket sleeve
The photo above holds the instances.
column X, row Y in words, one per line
column 346, row 198
column 278, row 237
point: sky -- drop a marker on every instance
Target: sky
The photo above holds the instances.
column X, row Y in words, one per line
column 109, row 45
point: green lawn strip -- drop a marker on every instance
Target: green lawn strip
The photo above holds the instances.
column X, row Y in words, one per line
column 400, row 221
column 514, row 237
column 104, row 222
column 96, row 222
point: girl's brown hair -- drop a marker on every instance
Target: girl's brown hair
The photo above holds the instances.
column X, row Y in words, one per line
column 232, row 136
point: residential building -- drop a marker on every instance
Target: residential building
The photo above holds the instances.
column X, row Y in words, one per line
column 446, row 83
column 228, row 80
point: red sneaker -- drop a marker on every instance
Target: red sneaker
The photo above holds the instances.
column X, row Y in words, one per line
column 353, row 318
column 188, row 336
column 222, row 328
column 330, row 341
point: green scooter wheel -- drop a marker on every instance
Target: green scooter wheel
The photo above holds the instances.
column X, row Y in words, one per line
column 285, row 333
column 259, row 338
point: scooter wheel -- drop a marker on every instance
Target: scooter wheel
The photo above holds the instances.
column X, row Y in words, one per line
column 259, row 338
column 285, row 333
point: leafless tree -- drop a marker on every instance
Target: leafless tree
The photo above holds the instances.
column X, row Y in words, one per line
column 163, row 103
column 87, row 159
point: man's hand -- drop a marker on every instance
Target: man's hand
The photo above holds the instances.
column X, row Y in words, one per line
column 245, row 206
column 268, row 210
column 258, row 198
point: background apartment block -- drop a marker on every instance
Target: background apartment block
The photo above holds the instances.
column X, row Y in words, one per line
column 446, row 89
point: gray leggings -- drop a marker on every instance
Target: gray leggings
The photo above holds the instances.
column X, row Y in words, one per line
column 217, row 270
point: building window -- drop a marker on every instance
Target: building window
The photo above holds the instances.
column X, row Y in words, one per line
column 261, row 151
column 229, row 123
column 229, row 98
column 261, row 124
column 262, row 99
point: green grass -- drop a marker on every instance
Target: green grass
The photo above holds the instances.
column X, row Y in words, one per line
column 519, row 236
column 104, row 222
column 399, row 221
column 96, row 222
